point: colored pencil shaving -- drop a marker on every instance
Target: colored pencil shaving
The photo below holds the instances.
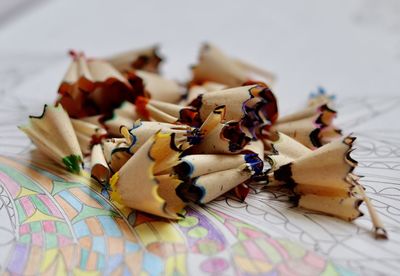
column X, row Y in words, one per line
column 160, row 148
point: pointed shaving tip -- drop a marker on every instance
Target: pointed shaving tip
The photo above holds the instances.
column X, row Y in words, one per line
column 380, row 233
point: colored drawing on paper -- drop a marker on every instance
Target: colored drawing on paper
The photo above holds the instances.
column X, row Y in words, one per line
column 61, row 223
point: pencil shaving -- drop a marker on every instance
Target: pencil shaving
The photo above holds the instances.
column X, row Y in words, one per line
column 159, row 88
column 88, row 134
column 197, row 89
column 252, row 106
column 91, row 87
column 141, row 131
column 141, row 173
column 54, row 135
column 146, row 59
column 311, row 127
column 324, row 181
column 116, row 153
column 207, row 176
column 98, row 164
column 215, row 66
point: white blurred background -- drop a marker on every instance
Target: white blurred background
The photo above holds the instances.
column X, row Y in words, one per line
column 346, row 46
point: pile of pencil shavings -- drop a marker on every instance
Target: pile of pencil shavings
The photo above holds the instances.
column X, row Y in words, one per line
column 160, row 145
